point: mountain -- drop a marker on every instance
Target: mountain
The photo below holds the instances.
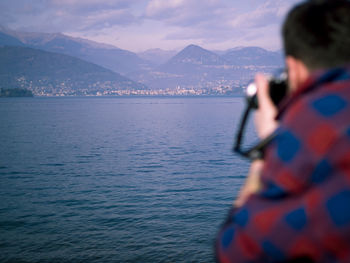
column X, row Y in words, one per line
column 157, row 56
column 193, row 68
column 108, row 56
column 50, row 73
column 198, row 68
column 7, row 40
column 256, row 56
column 190, row 59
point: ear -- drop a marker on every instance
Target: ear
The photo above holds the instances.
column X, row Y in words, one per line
column 298, row 73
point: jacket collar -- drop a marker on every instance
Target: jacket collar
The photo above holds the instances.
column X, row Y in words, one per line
column 315, row 81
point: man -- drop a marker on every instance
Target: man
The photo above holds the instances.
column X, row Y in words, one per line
column 295, row 206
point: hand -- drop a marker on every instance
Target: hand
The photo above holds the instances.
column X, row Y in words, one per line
column 265, row 122
column 252, row 184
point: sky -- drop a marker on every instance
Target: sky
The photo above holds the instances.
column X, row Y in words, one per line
column 138, row 25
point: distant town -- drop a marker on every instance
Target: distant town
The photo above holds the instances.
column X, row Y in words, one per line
column 102, row 89
column 111, row 89
column 58, row 65
column 220, row 91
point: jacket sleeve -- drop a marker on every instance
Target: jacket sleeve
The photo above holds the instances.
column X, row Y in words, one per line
column 303, row 208
column 271, row 225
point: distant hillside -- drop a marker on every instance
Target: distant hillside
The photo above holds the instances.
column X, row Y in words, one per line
column 7, row 40
column 52, row 73
column 192, row 58
column 157, row 56
column 15, row 93
column 108, row 56
column 198, row 68
column 255, row 56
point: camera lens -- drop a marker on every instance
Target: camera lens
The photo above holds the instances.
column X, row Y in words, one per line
column 278, row 88
column 251, row 96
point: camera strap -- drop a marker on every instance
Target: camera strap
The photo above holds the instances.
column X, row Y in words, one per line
column 257, row 151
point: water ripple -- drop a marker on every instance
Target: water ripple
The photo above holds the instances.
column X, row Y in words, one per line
column 116, row 179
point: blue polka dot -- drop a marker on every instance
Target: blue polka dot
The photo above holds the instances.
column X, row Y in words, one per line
column 287, row 146
column 322, row 171
column 272, row 251
column 344, row 75
column 227, row 237
column 339, row 208
column 296, row 219
column 329, row 105
column 242, row 217
column 273, row 191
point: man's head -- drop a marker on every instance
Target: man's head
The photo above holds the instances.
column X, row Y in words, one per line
column 316, row 35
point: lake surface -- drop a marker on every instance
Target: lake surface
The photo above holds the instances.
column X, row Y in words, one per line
column 121, row 179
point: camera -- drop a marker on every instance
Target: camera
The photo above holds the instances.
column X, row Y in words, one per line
column 278, row 88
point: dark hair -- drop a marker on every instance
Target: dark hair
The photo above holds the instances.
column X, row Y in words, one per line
column 318, row 33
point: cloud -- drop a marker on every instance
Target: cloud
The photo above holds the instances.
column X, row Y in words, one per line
column 187, row 13
column 161, row 9
column 66, row 15
column 210, row 23
column 105, row 19
column 198, row 21
column 86, row 6
column 213, row 23
column 157, row 8
column 270, row 12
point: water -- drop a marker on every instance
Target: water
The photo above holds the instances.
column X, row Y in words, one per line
column 116, row 179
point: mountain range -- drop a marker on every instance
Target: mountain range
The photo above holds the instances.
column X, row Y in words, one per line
column 83, row 65
column 198, row 68
column 51, row 73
